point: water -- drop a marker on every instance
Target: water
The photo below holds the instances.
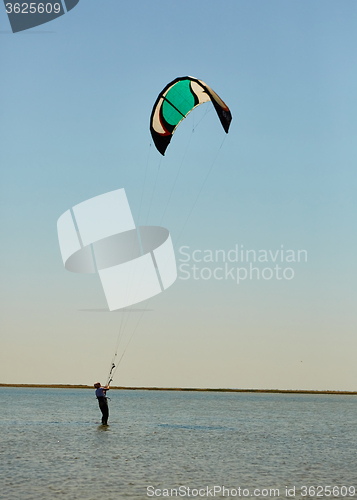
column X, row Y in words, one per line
column 52, row 445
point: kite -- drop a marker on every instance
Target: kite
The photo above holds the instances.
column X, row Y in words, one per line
column 176, row 101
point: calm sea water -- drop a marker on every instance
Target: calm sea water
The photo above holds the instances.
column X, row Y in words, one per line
column 52, row 446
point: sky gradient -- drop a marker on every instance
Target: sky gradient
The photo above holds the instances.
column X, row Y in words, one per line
column 76, row 97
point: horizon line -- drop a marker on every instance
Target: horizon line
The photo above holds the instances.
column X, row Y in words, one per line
column 187, row 389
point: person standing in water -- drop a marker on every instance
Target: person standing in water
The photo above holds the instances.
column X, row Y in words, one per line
column 102, row 400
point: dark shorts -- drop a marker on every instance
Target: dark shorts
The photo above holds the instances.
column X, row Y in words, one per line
column 103, row 405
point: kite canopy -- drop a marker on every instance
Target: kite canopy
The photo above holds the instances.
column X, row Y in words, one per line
column 175, row 102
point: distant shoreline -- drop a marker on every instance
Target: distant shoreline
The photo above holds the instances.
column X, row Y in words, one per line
column 185, row 389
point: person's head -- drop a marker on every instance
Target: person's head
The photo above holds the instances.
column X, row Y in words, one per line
column 97, row 385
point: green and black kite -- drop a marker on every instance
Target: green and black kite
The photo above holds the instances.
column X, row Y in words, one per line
column 175, row 102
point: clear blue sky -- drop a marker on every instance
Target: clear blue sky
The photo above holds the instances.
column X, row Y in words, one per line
column 76, row 97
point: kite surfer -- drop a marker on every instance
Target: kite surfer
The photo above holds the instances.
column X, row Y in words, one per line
column 102, row 400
